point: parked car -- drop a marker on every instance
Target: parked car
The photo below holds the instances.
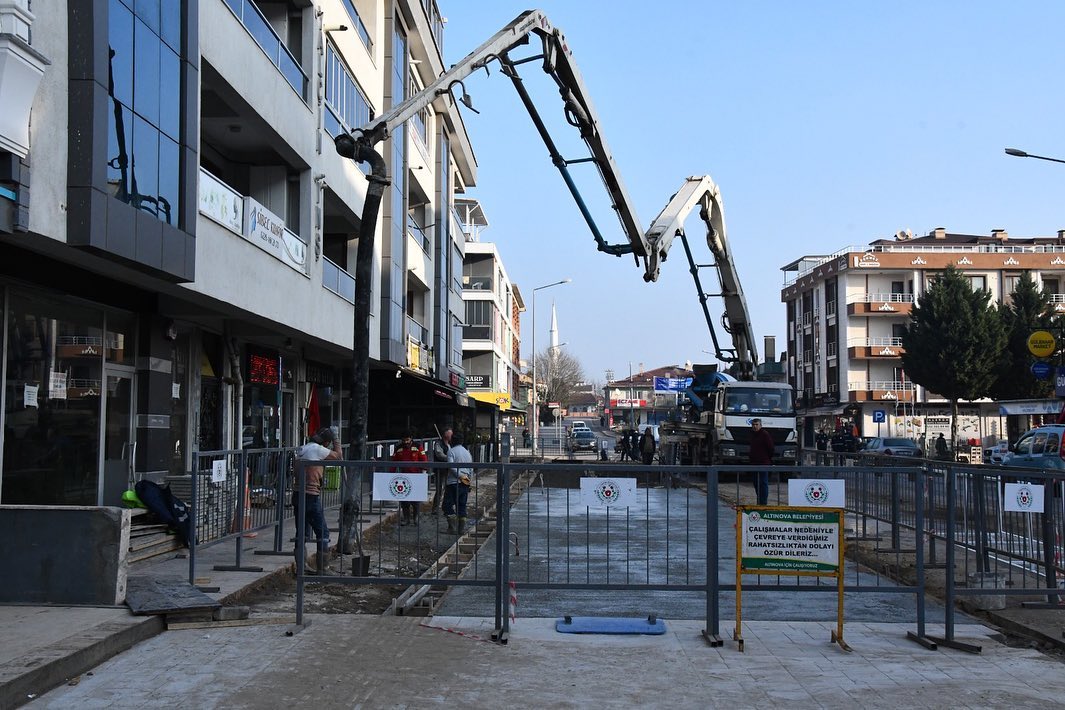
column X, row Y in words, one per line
column 1038, row 448
column 892, row 446
column 583, row 440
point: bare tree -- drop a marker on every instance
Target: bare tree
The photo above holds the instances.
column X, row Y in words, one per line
column 557, row 373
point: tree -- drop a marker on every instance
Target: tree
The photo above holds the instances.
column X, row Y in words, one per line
column 953, row 342
column 558, row 373
column 1028, row 312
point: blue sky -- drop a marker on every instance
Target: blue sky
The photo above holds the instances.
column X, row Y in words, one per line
column 825, row 124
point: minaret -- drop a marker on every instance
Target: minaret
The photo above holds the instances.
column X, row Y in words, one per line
column 554, row 329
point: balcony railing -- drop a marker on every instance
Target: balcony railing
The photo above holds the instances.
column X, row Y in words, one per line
column 831, row 350
column 881, row 298
column 436, row 23
column 476, row 332
column 259, row 28
column 477, row 283
column 417, row 331
column 874, row 342
column 830, row 308
column 360, row 28
column 892, row 385
column 337, row 280
column 419, row 234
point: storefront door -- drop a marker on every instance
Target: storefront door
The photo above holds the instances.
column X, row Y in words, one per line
column 119, row 445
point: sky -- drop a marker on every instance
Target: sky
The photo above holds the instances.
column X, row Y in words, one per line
column 825, row 125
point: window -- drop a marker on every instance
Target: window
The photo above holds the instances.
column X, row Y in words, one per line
column 348, row 106
column 977, row 282
column 144, row 117
column 1051, row 285
column 1052, row 444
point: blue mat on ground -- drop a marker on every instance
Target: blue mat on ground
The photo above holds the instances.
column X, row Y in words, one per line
column 610, row 625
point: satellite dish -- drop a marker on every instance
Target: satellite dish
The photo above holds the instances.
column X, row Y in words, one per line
column 904, row 235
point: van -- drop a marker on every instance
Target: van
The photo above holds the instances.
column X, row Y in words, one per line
column 1039, row 448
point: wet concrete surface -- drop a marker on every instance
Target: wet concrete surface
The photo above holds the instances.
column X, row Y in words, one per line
column 660, row 540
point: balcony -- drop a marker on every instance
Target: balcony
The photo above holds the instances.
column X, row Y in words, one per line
column 476, row 332
column 419, row 352
column 1057, row 302
column 418, row 234
column 882, row 391
column 360, row 26
column 21, row 70
column 259, row 28
column 875, row 348
column 338, row 280
column 477, row 283
column 880, row 304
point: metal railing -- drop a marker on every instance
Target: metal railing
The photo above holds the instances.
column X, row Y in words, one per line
column 264, row 35
column 338, row 280
column 874, row 342
column 881, row 298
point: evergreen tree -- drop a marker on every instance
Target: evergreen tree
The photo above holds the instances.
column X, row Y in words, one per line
column 953, row 342
column 1029, row 311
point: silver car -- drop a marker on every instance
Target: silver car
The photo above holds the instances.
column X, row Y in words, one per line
column 1039, row 448
column 891, row 446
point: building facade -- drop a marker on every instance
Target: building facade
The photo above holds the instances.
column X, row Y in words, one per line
column 178, row 234
column 491, row 336
column 633, row 400
column 846, row 313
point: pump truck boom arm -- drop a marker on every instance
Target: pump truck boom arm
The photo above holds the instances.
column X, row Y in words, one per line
column 557, row 61
column 702, row 192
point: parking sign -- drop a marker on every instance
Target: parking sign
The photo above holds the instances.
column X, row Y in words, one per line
column 879, row 416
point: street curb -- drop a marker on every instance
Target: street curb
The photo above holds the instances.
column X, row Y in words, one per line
column 1019, row 628
column 51, row 666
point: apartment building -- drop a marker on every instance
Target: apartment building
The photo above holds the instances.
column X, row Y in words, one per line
column 178, row 234
column 633, row 400
column 846, row 312
column 491, row 334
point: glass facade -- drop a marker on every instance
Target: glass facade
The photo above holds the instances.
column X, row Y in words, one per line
column 55, row 395
column 348, row 106
column 144, row 118
column 393, row 287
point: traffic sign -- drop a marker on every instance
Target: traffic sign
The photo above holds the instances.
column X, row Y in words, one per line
column 879, row 416
column 1059, row 383
column 1041, row 343
column 1041, row 370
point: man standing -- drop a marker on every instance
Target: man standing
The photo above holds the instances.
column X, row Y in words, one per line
column 440, row 449
column 647, row 447
column 822, row 447
column 316, row 450
column 941, row 448
column 407, row 451
column 457, row 491
column 761, row 453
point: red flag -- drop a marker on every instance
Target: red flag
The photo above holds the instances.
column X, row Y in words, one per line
column 314, row 419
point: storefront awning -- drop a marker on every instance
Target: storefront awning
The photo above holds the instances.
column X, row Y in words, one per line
column 500, row 399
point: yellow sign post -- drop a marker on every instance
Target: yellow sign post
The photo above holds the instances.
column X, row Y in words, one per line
column 1041, row 343
column 800, row 541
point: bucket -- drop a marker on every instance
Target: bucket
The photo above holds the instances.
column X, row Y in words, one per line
column 987, row 580
column 360, row 566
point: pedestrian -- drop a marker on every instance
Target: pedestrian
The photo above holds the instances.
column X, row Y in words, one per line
column 941, row 447
column 634, row 444
column 625, row 444
column 440, row 449
column 408, row 451
column 647, row 447
column 761, row 453
column 822, row 446
column 457, row 491
column 323, row 446
column 526, row 437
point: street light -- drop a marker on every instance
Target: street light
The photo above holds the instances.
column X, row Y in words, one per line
column 535, row 403
column 1017, row 153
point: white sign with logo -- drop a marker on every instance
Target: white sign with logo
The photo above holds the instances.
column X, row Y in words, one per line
column 267, row 231
column 403, row 487
column 221, row 203
column 1022, row 498
column 608, row 492
column 817, row 492
column 218, row 471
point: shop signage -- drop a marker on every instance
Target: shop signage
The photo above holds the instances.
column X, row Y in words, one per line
column 480, row 381
column 454, row 379
column 672, row 384
column 1041, row 343
column 623, row 403
column 267, row 231
column 1059, row 383
column 221, row 203
column 263, row 369
column 1041, row 370
column 500, row 399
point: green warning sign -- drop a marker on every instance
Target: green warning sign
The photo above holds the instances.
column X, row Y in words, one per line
column 790, row 540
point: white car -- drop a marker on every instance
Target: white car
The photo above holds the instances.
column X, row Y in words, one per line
column 578, row 426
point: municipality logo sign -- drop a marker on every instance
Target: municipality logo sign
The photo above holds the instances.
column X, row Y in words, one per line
column 816, row 493
column 1024, row 498
column 400, row 487
column 608, row 493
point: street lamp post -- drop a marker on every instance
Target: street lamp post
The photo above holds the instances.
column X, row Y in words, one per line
column 535, row 394
column 1017, row 153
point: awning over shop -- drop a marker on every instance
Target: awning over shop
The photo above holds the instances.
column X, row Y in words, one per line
column 1030, row 406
